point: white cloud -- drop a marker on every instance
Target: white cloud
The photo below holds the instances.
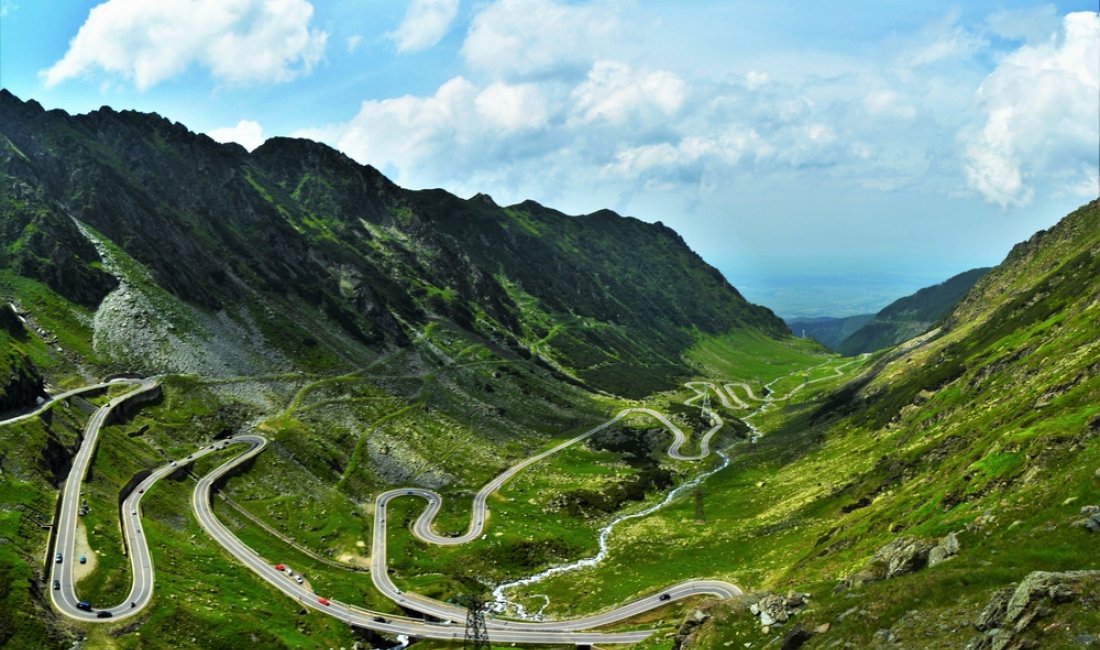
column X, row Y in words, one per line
column 246, row 133
column 755, row 79
column 1041, row 116
column 240, row 42
column 7, row 8
column 352, row 43
column 887, row 103
column 513, row 107
column 941, row 41
column 614, row 92
column 459, row 127
column 426, row 22
column 522, row 37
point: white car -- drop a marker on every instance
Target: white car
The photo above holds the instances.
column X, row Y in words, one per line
column 298, row 579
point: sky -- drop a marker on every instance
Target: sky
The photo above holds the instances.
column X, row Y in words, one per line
column 827, row 157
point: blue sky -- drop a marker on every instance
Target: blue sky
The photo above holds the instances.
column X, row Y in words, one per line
column 826, row 156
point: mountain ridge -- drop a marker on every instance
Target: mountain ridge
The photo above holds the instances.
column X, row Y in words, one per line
column 910, row 315
column 297, row 223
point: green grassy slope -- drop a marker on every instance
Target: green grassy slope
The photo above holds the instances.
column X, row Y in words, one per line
column 991, row 430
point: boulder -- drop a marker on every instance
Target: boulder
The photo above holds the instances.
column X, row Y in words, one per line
column 903, row 555
column 946, row 549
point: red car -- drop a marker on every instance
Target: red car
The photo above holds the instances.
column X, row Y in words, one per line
column 323, row 601
column 280, row 567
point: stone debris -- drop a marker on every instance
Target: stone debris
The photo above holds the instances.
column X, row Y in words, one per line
column 774, row 608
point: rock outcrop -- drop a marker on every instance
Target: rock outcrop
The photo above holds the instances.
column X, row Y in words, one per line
column 1011, row 610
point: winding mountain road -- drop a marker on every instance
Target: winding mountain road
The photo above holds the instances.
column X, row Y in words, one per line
column 574, row 631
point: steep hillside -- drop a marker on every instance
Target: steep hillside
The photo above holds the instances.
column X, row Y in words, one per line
column 295, row 247
column 919, row 500
column 828, row 331
column 907, row 317
column 20, row 380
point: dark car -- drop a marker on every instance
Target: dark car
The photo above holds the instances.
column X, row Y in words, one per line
column 57, row 558
column 56, row 584
column 664, row 597
column 379, row 619
column 103, row 614
column 84, row 605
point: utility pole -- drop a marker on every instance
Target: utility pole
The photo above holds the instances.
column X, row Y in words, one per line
column 477, row 635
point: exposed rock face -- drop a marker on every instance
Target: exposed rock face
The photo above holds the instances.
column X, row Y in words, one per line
column 1011, row 610
column 20, row 385
column 20, row 382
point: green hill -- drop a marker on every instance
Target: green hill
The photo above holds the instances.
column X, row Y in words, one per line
column 910, row 316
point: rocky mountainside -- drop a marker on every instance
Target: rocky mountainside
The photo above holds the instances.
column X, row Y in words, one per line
column 907, row 317
column 302, row 256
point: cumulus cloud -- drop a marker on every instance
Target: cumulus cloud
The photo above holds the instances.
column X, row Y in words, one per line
column 239, row 42
column 513, row 107
column 246, row 133
column 454, row 128
column 426, row 22
column 614, row 92
column 525, row 37
column 1041, row 117
column 887, row 103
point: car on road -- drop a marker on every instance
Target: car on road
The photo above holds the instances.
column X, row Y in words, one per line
column 323, row 601
column 664, row 597
column 141, row 491
column 83, row 559
column 133, row 512
column 57, row 558
column 56, row 585
column 299, row 579
column 379, row 619
column 103, row 614
column 173, row 463
column 280, row 567
column 84, row 605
